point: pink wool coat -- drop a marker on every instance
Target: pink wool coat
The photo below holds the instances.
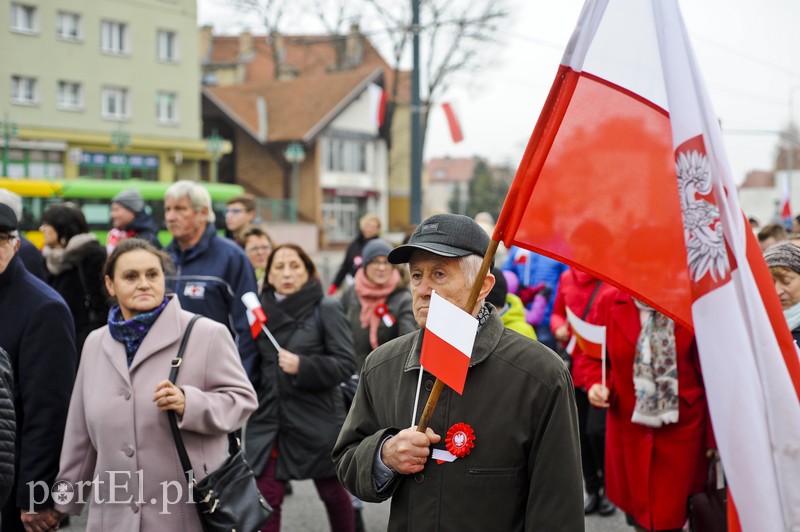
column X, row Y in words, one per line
column 117, row 435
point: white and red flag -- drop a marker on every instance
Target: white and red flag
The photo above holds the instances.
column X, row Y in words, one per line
column 452, row 122
column 590, row 338
column 377, row 102
column 448, row 341
column 256, row 316
column 625, row 177
column 786, row 207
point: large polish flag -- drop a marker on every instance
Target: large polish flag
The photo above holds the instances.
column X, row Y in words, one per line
column 448, row 341
column 626, row 177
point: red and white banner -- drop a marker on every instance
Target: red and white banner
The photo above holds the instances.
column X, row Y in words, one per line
column 626, row 178
column 256, row 316
column 590, row 338
column 448, row 341
column 377, row 102
column 453, row 123
column 786, row 207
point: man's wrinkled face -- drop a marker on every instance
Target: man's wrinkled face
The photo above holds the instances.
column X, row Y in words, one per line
column 432, row 272
column 183, row 221
column 8, row 248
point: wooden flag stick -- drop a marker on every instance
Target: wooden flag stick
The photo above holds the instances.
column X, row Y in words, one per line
column 433, row 398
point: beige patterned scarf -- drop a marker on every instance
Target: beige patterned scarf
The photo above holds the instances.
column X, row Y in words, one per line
column 655, row 371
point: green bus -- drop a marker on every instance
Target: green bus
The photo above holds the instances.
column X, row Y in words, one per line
column 93, row 196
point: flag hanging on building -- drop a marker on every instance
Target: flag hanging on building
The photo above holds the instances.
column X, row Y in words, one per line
column 377, row 101
column 452, row 122
column 448, row 341
column 625, row 177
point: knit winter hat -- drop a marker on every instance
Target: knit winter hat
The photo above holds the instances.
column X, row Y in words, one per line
column 374, row 248
column 783, row 255
column 131, row 199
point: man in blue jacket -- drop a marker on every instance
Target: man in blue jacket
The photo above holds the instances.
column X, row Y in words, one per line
column 212, row 272
column 37, row 332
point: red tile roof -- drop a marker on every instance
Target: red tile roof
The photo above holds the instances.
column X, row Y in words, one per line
column 758, row 179
column 448, row 169
column 296, row 109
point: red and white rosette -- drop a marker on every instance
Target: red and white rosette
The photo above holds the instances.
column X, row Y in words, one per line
column 460, row 440
column 382, row 311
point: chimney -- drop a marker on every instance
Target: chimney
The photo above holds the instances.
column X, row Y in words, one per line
column 283, row 70
column 206, row 36
column 245, row 45
column 353, row 47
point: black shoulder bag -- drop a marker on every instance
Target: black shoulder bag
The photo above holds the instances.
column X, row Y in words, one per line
column 228, row 499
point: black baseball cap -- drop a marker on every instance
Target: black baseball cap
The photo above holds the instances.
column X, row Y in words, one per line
column 8, row 220
column 448, row 235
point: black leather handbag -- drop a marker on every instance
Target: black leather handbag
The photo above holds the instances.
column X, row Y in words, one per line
column 228, row 499
column 708, row 511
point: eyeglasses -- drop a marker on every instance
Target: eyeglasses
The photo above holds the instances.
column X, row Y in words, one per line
column 234, row 211
column 5, row 238
column 259, row 249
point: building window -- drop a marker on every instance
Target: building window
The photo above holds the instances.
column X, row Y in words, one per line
column 68, row 26
column 167, row 107
column 70, row 95
column 24, row 18
column 346, row 156
column 115, row 103
column 167, row 46
column 114, row 37
column 24, row 90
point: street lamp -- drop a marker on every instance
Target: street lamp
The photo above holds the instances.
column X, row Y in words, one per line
column 121, row 139
column 214, row 147
column 295, row 154
column 9, row 130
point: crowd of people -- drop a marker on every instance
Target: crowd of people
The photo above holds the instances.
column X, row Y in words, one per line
column 332, row 388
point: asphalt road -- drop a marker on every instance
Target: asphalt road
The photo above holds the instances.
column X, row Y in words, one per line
column 303, row 512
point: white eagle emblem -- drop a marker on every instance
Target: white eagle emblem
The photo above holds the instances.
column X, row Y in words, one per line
column 702, row 230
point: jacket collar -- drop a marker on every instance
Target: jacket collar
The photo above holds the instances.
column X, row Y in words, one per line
column 165, row 331
column 485, row 342
column 182, row 257
column 12, row 271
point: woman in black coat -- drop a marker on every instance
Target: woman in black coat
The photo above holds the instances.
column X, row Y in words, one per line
column 75, row 260
column 301, row 408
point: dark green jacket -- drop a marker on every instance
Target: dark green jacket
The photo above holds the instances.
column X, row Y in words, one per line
column 524, row 472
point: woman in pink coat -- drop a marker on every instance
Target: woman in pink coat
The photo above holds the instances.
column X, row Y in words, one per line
column 657, row 445
column 117, row 439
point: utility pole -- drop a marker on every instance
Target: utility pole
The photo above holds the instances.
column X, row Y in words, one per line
column 416, row 129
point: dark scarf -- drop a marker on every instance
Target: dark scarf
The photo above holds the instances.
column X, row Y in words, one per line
column 288, row 315
column 131, row 333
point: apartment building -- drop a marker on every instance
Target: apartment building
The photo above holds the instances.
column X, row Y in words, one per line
column 101, row 88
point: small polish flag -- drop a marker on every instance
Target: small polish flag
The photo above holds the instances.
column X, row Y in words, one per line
column 447, row 345
column 591, row 339
column 256, row 316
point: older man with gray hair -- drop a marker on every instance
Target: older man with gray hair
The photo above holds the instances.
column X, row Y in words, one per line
column 507, row 449
column 212, row 272
column 30, row 255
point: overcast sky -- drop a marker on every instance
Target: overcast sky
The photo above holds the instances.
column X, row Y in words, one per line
column 749, row 53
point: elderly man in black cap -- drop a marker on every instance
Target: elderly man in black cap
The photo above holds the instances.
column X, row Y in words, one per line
column 506, row 451
column 37, row 332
